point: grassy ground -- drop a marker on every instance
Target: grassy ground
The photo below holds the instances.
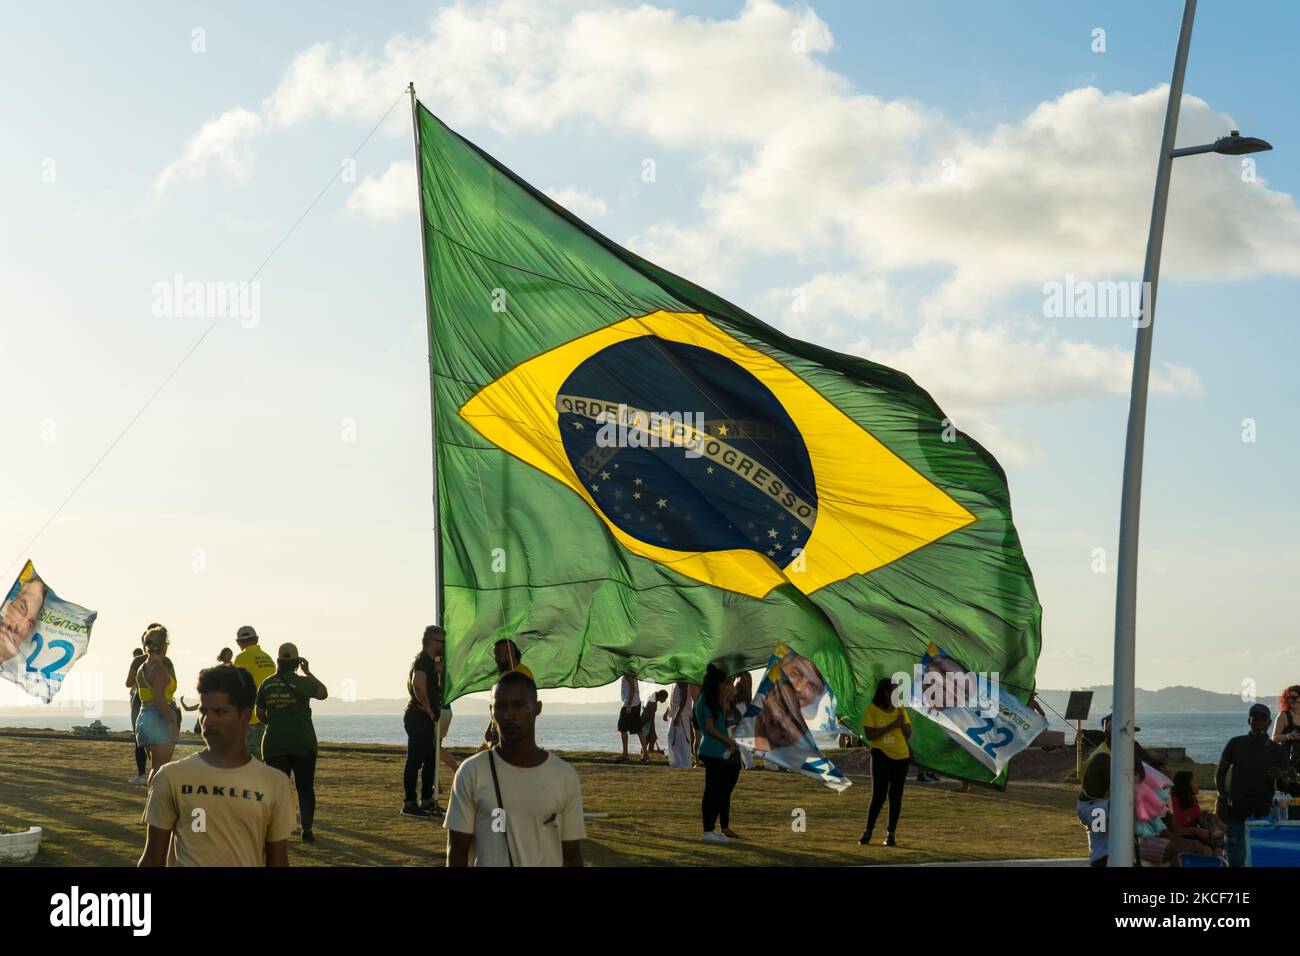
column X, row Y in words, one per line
column 77, row 791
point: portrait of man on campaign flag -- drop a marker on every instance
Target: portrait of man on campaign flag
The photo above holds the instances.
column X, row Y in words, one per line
column 974, row 709
column 792, row 716
column 41, row 635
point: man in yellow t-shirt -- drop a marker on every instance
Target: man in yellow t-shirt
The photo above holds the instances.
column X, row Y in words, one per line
column 220, row 807
column 260, row 665
column 887, row 728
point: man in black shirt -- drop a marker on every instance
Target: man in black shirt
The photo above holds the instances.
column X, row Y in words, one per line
column 1259, row 767
column 424, row 721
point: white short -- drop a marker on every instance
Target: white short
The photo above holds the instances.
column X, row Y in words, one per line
column 1097, row 825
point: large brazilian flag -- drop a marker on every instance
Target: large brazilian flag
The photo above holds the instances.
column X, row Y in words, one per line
column 635, row 475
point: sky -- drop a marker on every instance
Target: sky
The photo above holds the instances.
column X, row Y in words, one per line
column 916, row 176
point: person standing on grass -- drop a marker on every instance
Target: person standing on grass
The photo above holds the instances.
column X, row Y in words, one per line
column 507, row 657
column 740, row 695
column 516, row 804
column 259, row 666
column 679, row 735
column 246, row 807
column 289, row 744
column 156, row 729
column 1259, row 767
column 693, row 690
column 137, row 658
column 629, row 714
column 720, row 756
column 425, row 716
column 888, row 729
column 649, row 734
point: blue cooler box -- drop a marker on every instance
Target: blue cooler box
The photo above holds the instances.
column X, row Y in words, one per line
column 1273, row 844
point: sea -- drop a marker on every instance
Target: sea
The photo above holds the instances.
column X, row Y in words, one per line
column 1201, row 733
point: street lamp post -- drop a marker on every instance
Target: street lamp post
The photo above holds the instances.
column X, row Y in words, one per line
column 1120, row 817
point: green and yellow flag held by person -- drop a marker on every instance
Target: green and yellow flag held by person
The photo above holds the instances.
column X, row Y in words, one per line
column 635, row 475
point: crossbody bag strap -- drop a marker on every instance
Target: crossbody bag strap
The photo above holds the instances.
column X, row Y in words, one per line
column 496, row 785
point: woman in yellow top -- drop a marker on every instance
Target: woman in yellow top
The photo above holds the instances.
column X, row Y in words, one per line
column 156, row 729
column 888, row 729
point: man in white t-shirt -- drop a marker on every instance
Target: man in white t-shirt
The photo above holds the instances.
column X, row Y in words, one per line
column 516, row 804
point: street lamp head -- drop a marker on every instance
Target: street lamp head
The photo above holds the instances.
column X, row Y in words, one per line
column 1234, row 144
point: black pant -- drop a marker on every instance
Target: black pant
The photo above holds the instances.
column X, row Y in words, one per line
column 420, row 733
column 301, row 768
column 887, row 778
column 140, row 752
column 720, row 776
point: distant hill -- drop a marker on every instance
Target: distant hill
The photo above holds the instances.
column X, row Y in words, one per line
column 1169, row 700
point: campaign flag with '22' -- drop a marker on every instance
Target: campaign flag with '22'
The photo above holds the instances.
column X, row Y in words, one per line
column 635, row 475
column 790, row 719
column 41, row 635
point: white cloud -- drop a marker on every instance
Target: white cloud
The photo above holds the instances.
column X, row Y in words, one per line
column 974, row 372
column 583, row 204
column 830, row 307
column 803, row 166
column 389, row 195
column 224, row 139
column 524, row 65
column 1005, row 444
column 806, row 165
column 1065, row 190
column 982, row 369
column 1068, row 190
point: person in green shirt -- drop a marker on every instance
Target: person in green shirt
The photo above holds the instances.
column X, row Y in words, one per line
column 289, row 744
column 720, row 755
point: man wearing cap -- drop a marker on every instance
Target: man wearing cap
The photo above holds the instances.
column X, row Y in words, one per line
column 289, row 744
column 259, row 665
column 1259, row 767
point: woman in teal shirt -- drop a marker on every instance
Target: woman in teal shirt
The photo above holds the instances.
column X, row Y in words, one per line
column 720, row 756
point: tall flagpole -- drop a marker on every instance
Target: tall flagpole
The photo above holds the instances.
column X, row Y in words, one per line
column 433, row 418
column 1120, row 816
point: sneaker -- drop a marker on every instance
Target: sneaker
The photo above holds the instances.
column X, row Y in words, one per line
column 889, row 840
column 139, row 780
column 713, row 836
column 431, row 807
column 308, row 836
column 865, row 839
column 414, row 810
